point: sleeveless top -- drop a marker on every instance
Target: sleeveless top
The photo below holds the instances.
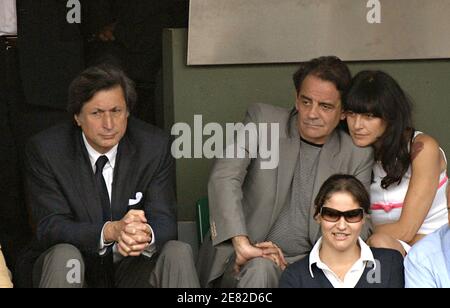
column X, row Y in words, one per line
column 387, row 204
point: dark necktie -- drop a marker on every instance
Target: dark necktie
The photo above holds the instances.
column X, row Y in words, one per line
column 101, row 186
column 103, row 276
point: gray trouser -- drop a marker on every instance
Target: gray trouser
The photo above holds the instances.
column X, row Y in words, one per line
column 62, row 266
column 257, row 273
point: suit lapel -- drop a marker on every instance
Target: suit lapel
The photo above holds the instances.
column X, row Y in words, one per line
column 326, row 168
column 83, row 178
column 289, row 148
column 124, row 179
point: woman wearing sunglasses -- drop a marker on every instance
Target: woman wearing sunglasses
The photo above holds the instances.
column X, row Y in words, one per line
column 341, row 259
column 5, row 279
column 408, row 193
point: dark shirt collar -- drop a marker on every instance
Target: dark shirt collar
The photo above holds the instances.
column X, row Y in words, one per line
column 311, row 144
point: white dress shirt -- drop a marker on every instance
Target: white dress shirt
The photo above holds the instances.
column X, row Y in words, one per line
column 108, row 175
column 8, row 17
column 353, row 276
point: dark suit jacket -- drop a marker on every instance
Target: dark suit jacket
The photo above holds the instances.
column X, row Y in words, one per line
column 61, row 192
column 390, row 265
column 50, row 51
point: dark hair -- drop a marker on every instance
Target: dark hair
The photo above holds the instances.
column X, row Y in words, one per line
column 378, row 93
column 342, row 183
column 328, row 68
column 96, row 79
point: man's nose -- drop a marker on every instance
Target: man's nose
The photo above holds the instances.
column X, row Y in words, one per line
column 313, row 112
column 108, row 122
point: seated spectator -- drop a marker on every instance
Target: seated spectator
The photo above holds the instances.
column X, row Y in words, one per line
column 341, row 259
column 428, row 262
column 5, row 275
column 102, row 193
column 408, row 194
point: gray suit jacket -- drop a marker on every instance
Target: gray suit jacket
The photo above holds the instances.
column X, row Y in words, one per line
column 246, row 200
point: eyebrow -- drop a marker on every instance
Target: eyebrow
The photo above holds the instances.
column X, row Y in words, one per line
column 358, row 209
column 305, row 97
column 114, row 108
column 320, row 102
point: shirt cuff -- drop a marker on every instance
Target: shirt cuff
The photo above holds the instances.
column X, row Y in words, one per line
column 103, row 247
column 151, row 249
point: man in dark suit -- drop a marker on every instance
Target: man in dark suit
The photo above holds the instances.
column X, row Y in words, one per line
column 40, row 53
column 102, row 194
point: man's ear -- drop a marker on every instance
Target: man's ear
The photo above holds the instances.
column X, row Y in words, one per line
column 343, row 116
column 75, row 117
column 296, row 100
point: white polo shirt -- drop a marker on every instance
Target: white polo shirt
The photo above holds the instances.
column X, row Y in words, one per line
column 353, row 276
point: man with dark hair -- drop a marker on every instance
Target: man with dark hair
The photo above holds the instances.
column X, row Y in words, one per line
column 102, row 194
column 249, row 205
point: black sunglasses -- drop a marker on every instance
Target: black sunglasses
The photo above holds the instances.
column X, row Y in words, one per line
column 333, row 215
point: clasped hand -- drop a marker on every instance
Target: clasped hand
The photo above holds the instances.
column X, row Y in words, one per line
column 132, row 233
